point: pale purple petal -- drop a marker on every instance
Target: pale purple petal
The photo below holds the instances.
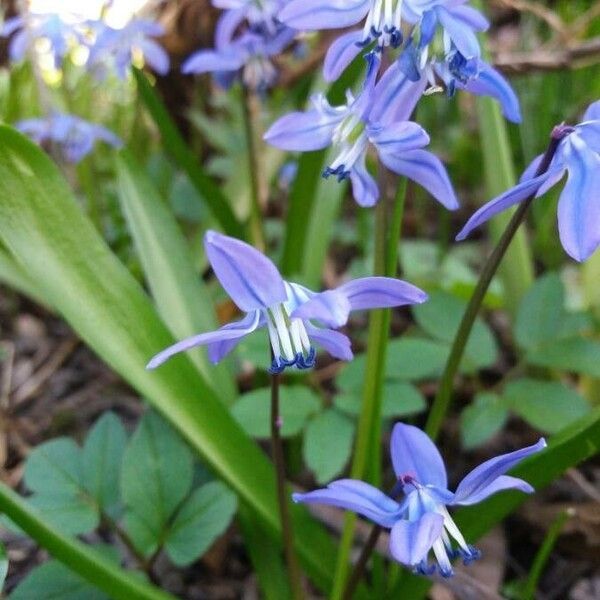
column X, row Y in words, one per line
column 504, row 482
column 589, row 132
column 398, row 138
column 302, row 131
column 427, row 170
column 358, row 497
column 460, row 33
column 331, row 308
column 593, row 112
column 232, row 331
column 221, row 348
column 333, row 342
column 341, row 53
column 380, row 292
column 414, row 454
column 364, row 186
column 313, row 15
column 248, row 276
column 11, row 25
column 471, row 17
column 531, row 170
column 478, row 481
column 579, row 203
column 155, row 55
column 209, row 61
column 18, row 46
column 226, row 25
column 410, row 541
column 509, row 198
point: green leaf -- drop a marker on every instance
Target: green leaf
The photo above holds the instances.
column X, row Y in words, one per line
column 400, row 399
column 156, row 476
column 579, row 355
column 73, row 514
column 440, row 317
column 415, row 359
column 327, row 444
column 102, row 456
column 482, row 419
column 203, row 517
column 3, row 565
column 16, row 278
column 296, row 404
column 182, row 299
column 548, row 405
column 107, row 308
column 175, row 145
column 541, row 311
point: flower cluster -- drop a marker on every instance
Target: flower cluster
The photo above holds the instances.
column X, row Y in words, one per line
column 415, row 511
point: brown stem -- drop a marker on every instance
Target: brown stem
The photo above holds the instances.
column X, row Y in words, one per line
column 359, row 567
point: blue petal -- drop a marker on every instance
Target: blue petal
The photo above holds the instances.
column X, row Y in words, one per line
column 589, row 132
column 330, row 308
column 428, row 26
column 340, row 54
column 231, row 331
column 226, row 25
column 491, row 83
column 413, row 453
column 427, row 170
column 410, row 541
column 334, row 342
column 579, row 203
column 155, row 55
column 18, row 46
column 470, row 17
column 511, row 197
column 313, row 15
column 209, row 61
column 11, row 25
column 480, row 482
column 399, row 137
column 302, row 131
column 380, row 292
column 222, row 347
column 248, row 276
column 531, row 169
column 356, row 496
column 364, row 186
column 593, row 112
column 459, row 32
column 504, row 482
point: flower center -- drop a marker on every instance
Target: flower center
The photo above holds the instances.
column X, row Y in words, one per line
column 383, row 23
column 351, row 139
column 289, row 341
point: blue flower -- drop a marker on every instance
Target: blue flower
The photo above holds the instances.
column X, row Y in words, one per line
column 352, row 128
column 118, row 46
column 74, row 137
column 421, row 523
column 59, row 33
column 578, row 155
column 285, row 309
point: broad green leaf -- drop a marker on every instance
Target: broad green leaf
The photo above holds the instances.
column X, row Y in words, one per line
column 16, row 277
column 579, row 355
column 203, row 517
column 548, row 405
column 72, row 514
column 53, row 581
column 102, row 457
column 541, row 311
column 156, row 476
column 58, row 247
column 482, row 419
column 440, row 317
column 296, row 404
column 414, row 359
column 175, row 145
column 399, row 399
column 182, row 299
column 327, row 444
column 3, row 565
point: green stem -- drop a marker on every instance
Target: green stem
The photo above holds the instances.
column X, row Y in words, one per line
column 442, row 399
column 361, row 563
column 282, row 495
column 257, row 189
column 78, row 557
column 366, row 462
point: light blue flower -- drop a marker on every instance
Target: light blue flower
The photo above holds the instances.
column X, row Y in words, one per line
column 420, row 522
column 61, row 34
column 116, row 47
column 285, row 309
column 578, row 155
column 351, row 129
column 73, row 136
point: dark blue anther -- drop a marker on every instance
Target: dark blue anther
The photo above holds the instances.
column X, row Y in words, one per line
column 374, row 32
column 396, row 38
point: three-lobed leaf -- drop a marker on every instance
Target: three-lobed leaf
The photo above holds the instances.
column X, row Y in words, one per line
column 482, row 419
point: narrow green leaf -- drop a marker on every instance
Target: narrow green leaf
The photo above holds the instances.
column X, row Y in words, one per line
column 579, row 355
column 296, row 404
column 49, row 236
column 482, row 419
column 156, row 476
column 16, row 278
column 181, row 298
column 548, row 405
column 327, row 444
column 3, row 565
column 175, row 145
column 102, row 456
column 203, row 517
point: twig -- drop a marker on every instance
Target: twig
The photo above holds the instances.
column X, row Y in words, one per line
column 539, row 10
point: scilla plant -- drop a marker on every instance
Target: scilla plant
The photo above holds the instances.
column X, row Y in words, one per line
column 229, row 294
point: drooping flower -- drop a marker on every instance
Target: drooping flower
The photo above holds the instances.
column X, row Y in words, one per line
column 118, row 47
column 73, row 136
column 361, row 123
column 60, row 33
column 285, row 309
column 420, row 522
column 578, row 155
